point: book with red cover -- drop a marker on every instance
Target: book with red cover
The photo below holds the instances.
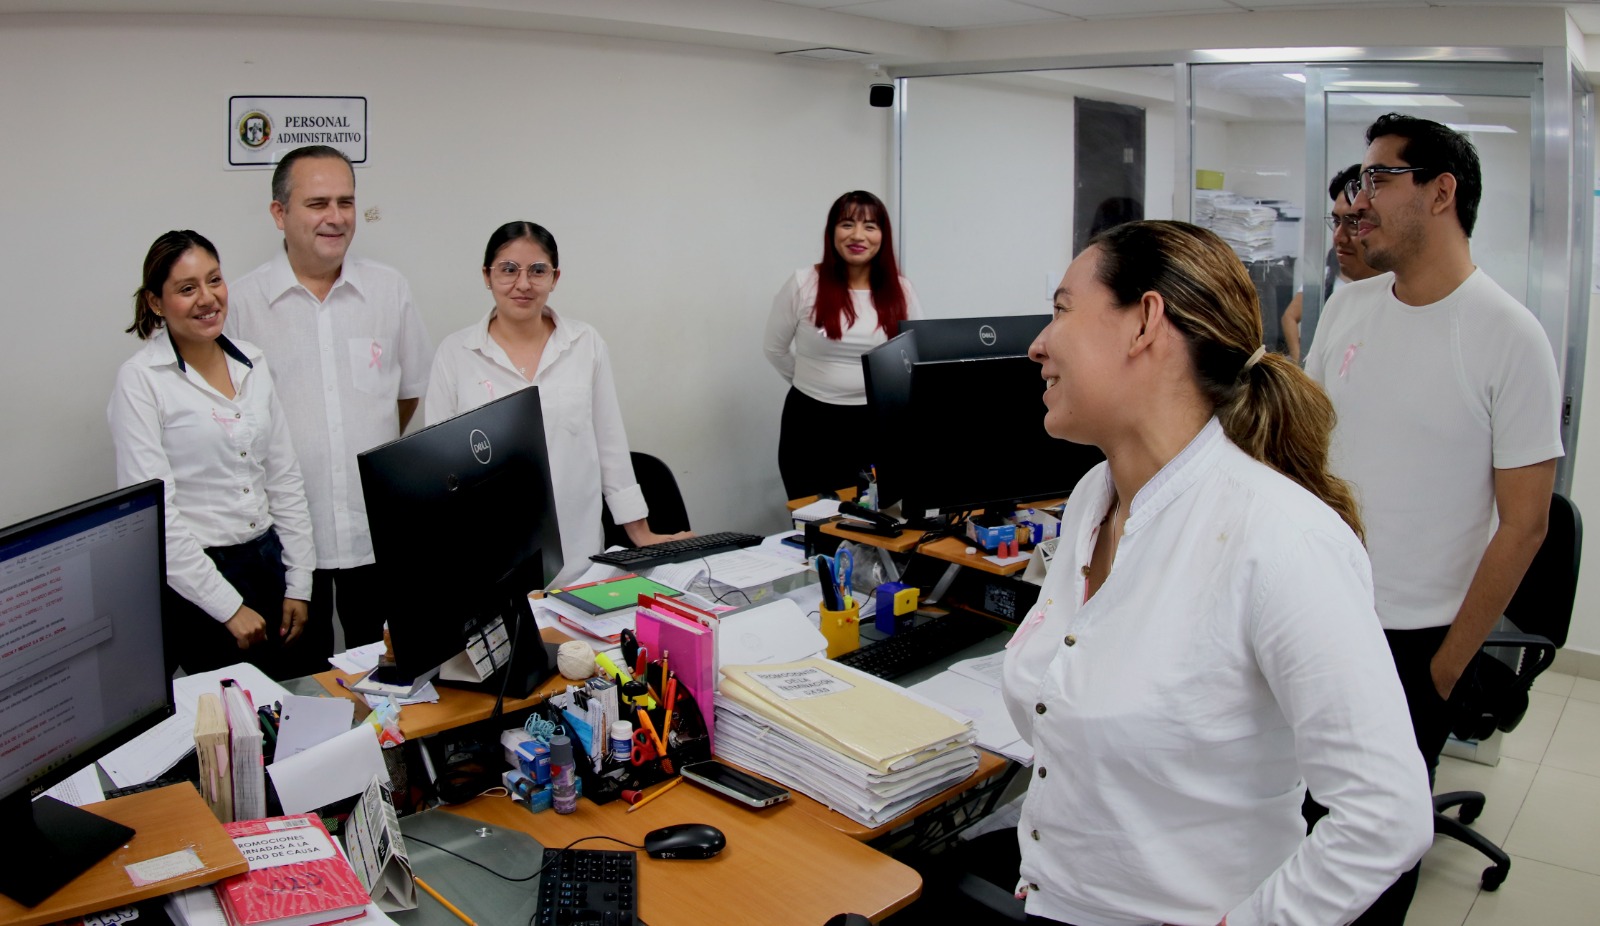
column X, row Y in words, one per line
column 296, row 878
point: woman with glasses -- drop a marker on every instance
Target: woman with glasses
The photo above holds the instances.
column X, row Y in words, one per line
column 823, row 319
column 1204, row 646
column 522, row 342
column 198, row 412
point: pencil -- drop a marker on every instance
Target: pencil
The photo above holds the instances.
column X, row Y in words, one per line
column 447, row 904
column 652, row 795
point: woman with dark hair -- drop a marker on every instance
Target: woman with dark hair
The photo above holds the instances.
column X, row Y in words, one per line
column 198, row 412
column 1205, row 645
column 522, row 342
column 823, row 319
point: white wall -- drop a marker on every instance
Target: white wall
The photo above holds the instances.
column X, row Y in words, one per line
column 682, row 182
column 988, row 195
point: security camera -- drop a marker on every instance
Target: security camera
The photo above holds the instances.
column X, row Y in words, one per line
column 881, row 95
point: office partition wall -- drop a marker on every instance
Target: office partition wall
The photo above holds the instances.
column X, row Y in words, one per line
column 988, row 179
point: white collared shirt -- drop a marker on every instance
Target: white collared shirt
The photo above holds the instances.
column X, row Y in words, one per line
column 803, row 354
column 342, row 367
column 1231, row 658
column 228, row 465
column 582, row 423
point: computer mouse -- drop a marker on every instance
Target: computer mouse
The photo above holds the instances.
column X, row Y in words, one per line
column 685, row 840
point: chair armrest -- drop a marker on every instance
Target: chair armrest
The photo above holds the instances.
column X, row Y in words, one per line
column 1541, row 649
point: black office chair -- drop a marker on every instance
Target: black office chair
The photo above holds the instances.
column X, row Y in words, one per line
column 667, row 512
column 1493, row 693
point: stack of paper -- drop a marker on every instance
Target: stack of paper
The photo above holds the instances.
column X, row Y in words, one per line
column 865, row 747
column 244, row 754
column 972, row 688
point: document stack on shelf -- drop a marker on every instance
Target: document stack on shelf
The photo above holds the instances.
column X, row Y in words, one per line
column 865, row 747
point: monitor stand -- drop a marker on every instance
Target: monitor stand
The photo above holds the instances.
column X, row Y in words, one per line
column 50, row 843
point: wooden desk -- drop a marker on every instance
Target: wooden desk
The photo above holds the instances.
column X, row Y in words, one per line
column 781, row 865
column 167, row 820
column 457, row 707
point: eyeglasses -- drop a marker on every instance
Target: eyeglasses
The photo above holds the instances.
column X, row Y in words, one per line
column 1364, row 185
column 507, row 271
column 1349, row 222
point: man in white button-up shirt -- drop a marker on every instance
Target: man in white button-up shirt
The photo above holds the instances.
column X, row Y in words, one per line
column 350, row 356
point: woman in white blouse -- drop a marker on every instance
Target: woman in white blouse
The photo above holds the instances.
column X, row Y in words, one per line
column 1205, row 646
column 823, row 319
column 522, row 342
column 198, row 412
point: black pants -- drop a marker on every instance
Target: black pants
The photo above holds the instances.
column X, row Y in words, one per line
column 358, row 595
column 821, row 447
column 1413, row 652
column 197, row 642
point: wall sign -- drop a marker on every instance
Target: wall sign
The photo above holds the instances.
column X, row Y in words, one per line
column 262, row 129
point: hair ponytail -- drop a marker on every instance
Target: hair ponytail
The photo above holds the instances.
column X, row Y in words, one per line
column 1280, row 416
column 1268, row 406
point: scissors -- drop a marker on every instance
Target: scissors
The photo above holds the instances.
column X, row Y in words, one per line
column 643, row 749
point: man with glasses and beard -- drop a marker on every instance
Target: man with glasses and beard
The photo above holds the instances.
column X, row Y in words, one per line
column 1449, row 415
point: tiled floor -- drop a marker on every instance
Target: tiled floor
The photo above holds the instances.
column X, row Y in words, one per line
column 1543, row 808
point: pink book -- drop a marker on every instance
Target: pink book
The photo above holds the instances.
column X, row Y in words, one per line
column 672, row 627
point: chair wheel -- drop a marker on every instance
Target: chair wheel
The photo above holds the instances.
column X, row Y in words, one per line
column 1494, row 876
column 1469, row 811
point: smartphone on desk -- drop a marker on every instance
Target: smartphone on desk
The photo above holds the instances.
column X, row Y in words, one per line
column 730, row 782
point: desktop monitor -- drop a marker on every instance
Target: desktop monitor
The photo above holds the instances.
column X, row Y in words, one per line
column 463, row 522
column 978, row 426
column 886, row 371
column 961, row 338
column 81, row 673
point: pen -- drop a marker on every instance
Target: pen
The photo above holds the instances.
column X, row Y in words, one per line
column 672, row 699
column 652, row 796
column 447, row 904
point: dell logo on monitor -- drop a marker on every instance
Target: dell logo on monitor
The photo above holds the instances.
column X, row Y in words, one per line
column 986, row 335
column 480, row 446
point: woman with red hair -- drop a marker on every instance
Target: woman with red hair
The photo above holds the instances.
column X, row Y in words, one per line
column 823, row 319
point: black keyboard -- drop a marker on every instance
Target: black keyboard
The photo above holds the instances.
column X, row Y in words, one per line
column 588, row 886
column 677, row 551
column 924, row 644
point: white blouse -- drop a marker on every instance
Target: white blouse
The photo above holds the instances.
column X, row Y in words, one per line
column 1231, row 658
column 803, row 354
column 228, row 465
column 582, row 423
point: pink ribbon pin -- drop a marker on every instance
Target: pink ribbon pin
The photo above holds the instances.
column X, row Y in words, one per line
column 1349, row 355
column 488, row 387
column 377, row 353
column 227, row 423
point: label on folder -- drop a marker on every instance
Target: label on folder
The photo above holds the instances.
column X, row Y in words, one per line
column 799, row 684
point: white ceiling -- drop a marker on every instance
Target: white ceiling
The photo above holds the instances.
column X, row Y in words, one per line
column 971, row 14
column 891, row 31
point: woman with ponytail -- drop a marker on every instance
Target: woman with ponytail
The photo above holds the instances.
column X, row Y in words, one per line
column 823, row 319
column 1205, row 644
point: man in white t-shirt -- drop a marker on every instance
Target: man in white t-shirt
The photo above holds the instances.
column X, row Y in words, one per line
column 349, row 357
column 1449, row 415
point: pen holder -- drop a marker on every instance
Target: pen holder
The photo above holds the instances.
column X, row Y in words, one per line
column 842, row 630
